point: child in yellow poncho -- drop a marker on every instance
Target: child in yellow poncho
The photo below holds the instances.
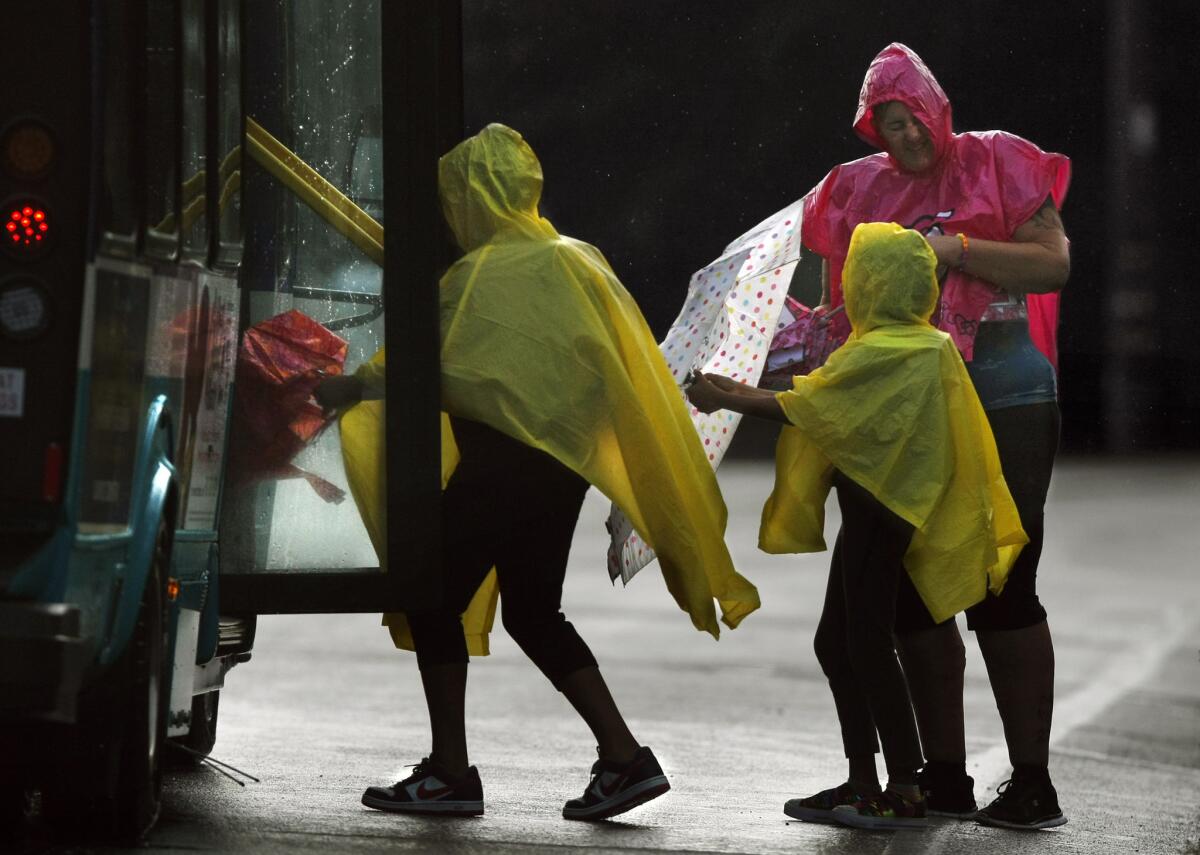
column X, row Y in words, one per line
column 893, row 422
column 552, row 382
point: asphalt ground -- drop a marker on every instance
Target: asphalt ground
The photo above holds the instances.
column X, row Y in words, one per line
column 327, row 707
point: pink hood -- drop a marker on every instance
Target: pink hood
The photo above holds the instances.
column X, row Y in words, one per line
column 898, row 74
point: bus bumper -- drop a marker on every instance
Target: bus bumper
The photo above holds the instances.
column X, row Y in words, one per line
column 41, row 661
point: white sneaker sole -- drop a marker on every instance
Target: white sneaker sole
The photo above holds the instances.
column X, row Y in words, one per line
column 845, row 815
column 949, row 814
column 1053, row 822
column 639, row 794
column 807, row 814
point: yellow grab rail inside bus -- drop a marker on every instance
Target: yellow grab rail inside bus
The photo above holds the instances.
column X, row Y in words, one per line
column 330, row 203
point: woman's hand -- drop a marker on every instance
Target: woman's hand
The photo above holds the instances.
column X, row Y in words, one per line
column 947, row 248
column 1036, row 261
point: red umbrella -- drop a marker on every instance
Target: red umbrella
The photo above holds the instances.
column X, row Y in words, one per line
column 280, row 363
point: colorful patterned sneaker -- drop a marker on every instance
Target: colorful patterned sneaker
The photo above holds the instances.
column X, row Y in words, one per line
column 616, row 787
column 884, row 811
column 948, row 791
column 430, row 790
column 1023, row 805
column 819, row 807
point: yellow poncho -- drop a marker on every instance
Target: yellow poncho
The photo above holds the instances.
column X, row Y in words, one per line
column 895, row 411
column 542, row 342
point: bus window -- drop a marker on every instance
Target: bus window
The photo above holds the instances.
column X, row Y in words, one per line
column 227, row 187
column 162, row 131
column 365, row 173
column 321, row 99
column 193, row 190
column 121, row 26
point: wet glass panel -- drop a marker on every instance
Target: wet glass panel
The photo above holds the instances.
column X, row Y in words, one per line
column 320, row 97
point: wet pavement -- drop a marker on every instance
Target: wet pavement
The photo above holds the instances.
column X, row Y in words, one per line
column 327, row 707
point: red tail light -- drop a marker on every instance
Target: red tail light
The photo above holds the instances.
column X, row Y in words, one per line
column 27, row 228
column 52, row 472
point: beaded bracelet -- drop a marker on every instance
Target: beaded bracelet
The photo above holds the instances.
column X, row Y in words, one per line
column 966, row 249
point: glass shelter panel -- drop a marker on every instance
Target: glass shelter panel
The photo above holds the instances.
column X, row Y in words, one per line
column 320, row 98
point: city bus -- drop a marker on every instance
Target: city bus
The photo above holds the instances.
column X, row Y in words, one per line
column 173, row 172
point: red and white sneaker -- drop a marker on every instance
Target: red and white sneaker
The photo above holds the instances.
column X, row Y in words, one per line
column 616, row 788
column 430, row 790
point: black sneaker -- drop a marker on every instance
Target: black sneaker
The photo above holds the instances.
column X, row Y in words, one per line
column 615, row 788
column 430, row 790
column 819, row 807
column 948, row 791
column 1025, row 805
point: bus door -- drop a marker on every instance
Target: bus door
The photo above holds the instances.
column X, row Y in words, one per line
column 347, row 108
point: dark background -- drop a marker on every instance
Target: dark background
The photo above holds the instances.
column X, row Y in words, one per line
column 668, row 128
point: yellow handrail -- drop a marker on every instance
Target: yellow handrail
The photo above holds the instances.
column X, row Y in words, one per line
column 329, row 203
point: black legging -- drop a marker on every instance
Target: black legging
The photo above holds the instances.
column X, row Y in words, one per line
column 513, row 507
column 1026, row 440
column 854, row 641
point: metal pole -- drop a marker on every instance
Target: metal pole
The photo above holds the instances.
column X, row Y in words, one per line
column 422, row 116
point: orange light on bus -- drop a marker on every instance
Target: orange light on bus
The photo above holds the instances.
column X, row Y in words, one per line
column 27, row 150
column 172, row 589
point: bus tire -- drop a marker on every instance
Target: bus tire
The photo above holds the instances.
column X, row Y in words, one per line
column 137, row 796
column 115, row 791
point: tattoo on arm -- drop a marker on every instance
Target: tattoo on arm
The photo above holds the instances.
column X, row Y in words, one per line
column 1047, row 217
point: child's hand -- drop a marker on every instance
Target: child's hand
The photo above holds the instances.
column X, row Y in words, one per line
column 725, row 384
column 703, row 394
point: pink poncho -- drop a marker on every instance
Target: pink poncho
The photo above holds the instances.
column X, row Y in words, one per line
column 983, row 184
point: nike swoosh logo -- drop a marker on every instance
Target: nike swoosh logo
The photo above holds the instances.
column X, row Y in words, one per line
column 425, row 794
column 617, row 782
column 613, row 787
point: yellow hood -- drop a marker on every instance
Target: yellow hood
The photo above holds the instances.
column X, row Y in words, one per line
column 490, row 186
column 889, row 278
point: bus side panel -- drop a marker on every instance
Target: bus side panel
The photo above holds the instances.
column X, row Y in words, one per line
column 45, row 156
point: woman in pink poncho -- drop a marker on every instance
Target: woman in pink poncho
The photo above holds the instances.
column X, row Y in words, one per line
column 987, row 202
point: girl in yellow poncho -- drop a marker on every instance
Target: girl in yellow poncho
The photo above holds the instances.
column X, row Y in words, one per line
column 552, row 381
column 893, row 422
